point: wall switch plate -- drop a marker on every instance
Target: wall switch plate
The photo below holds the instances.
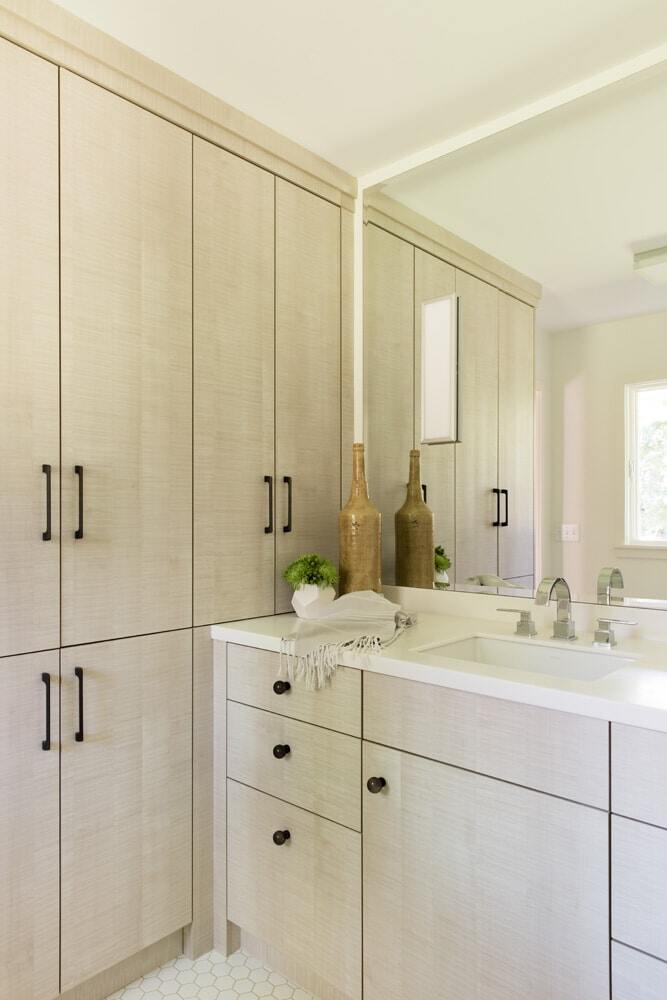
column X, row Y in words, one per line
column 568, row 533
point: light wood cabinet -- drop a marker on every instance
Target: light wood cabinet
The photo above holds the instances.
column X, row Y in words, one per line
column 29, row 345
column 308, row 364
column 636, row 976
column 639, row 774
column 233, row 387
column 29, row 827
column 477, row 888
column 639, row 886
column 126, row 861
column 126, row 367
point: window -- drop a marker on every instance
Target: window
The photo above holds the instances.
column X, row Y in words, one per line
column 646, row 463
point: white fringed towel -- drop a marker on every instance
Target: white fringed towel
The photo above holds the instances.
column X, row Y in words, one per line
column 360, row 623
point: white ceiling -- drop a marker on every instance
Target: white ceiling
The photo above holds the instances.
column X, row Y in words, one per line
column 566, row 199
column 365, row 82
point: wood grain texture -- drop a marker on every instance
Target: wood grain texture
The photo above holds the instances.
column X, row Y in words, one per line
column 303, row 897
column 433, row 279
column 295, row 971
column 639, row 774
column 321, row 772
column 639, row 886
column 233, row 386
column 222, row 937
column 29, row 830
column 126, row 219
column 308, row 373
column 388, row 377
column 516, row 362
column 198, row 936
column 127, row 971
column 126, row 800
column 551, row 751
column 477, row 888
column 477, row 452
column 636, row 976
column 29, row 318
column 252, row 672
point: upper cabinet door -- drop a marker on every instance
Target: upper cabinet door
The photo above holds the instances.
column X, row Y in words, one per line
column 29, row 432
column 308, row 392
column 388, row 377
column 234, row 486
column 515, row 437
column 477, row 452
column 29, row 826
column 126, row 219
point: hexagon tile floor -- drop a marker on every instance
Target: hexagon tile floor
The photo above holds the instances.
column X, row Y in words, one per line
column 212, row 977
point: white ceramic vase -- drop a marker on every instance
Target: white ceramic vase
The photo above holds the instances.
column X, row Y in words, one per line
column 309, row 600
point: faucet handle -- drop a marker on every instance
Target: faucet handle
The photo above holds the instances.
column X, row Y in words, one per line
column 525, row 626
column 605, row 636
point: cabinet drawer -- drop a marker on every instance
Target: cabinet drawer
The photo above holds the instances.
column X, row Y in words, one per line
column 636, row 976
column 554, row 752
column 251, row 674
column 304, row 897
column 639, row 886
column 321, row 772
column 639, row 774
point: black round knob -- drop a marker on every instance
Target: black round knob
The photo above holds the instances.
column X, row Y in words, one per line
column 375, row 785
column 281, row 687
column 281, row 750
column 280, row 837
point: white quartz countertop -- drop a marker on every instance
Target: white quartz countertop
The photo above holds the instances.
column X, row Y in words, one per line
column 633, row 692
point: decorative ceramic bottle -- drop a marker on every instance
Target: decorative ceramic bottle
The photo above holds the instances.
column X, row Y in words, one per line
column 414, row 534
column 359, row 530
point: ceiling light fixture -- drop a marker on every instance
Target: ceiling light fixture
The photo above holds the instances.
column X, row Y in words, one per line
column 652, row 265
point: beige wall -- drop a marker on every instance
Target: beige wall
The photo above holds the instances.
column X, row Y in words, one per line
column 584, row 372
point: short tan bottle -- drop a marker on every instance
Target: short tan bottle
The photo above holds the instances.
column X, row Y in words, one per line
column 414, row 534
column 359, row 530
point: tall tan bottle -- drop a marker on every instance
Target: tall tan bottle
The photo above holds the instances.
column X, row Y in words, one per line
column 359, row 530
column 414, row 534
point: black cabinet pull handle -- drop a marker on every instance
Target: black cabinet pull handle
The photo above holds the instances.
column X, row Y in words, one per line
column 281, row 750
column 78, row 471
column 505, row 493
column 46, row 743
column 281, row 837
column 268, row 528
column 424, row 492
column 288, row 482
column 281, row 687
column 78, row 673
column 496, row 523
column 46, row 535
column 375, row 785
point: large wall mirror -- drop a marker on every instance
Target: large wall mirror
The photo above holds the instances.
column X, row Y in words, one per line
column 540, row 254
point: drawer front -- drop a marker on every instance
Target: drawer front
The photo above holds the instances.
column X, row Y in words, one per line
column 553, row 752
column 639, row 886
column 636, row 976
column 321, row 772
column 251, row 674
column 639, row 774
column 304, row 897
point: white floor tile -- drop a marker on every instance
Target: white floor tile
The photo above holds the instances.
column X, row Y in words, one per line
column 211, row 977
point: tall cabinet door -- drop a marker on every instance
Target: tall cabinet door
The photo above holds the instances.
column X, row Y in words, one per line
column 388, row 377
column 515, row 436
column 477, row 452
column 29, row 433
column 126, row 778
column 478, row 888
column 234, row 527
column 308, row 399
column 29, row 821
column 126, row 225
column 434, row 279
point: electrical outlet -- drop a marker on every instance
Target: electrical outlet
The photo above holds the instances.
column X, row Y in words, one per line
column 568, row 533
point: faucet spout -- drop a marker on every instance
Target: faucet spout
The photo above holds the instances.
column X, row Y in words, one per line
column 557, row 586
column 608, row 577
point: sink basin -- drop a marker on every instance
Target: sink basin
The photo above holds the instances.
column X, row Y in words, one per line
column 537, row 658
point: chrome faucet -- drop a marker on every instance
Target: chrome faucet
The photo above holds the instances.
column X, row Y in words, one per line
column 564, row 623
column 608, row 577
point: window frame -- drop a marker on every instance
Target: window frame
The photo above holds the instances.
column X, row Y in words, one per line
column 632, row 392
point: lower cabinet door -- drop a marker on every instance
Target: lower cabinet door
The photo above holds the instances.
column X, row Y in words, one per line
column 475, row 889
column 636, row 976
column 300, row 893
column 126, row 798
column 29, row 827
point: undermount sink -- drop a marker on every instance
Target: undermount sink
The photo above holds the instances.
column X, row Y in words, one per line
column 528, row 655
